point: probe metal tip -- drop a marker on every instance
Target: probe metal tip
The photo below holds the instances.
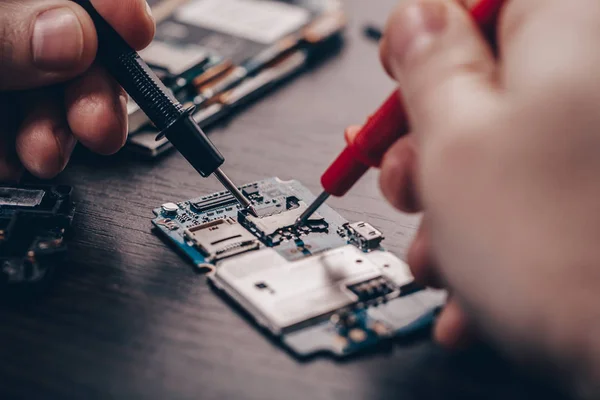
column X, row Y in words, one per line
column 312, row 208
column 232, row 188
column 252, row 211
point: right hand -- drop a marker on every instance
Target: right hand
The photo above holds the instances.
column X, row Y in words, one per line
column 504, row 160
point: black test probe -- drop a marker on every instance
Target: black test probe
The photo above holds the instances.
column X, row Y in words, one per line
column 161, row 107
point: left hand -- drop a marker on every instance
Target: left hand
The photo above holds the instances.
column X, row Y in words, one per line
column 52, row 94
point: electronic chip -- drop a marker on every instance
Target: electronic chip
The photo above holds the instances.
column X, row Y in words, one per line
column 250, row 191
column 316, row 288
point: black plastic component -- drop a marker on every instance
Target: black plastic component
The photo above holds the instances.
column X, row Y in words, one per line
column 373, row 32
column 373, row 289
column 292, row 202
column 194, row 145
column 250, row 191
column 207, row 205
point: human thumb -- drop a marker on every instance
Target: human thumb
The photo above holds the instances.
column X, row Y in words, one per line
column 43, row 42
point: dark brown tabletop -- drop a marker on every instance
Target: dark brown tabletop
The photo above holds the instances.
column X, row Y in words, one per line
column 129, row 318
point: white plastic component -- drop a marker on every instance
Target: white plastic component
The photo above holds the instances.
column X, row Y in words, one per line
column 281, row 294
column 260, row 21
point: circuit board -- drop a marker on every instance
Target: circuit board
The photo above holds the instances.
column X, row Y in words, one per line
column 218, row 55
column 34, row 221
column 326, row 287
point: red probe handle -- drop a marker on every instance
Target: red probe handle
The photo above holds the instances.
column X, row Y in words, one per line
column 367, row 148
column 387, row 125
column 485, row 13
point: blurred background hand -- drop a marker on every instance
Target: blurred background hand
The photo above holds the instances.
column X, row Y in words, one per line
column 51, row 93
column 504, row 161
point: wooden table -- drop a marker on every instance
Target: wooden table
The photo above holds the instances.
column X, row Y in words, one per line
column 129, row 318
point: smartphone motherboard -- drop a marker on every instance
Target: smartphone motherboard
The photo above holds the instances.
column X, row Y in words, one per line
column 218, row 55
column 327, row 287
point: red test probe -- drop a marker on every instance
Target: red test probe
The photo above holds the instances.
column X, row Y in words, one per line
column 382, row 130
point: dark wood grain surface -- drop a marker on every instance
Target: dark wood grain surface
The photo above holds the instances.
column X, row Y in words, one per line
column 129, row 318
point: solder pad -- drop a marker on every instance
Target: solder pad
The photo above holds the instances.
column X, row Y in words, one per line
column 326, row 287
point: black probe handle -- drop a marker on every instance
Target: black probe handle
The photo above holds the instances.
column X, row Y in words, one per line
column 152, row 96
column 127, row 67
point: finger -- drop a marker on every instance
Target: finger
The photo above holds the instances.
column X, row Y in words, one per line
column 384, row 43
column 97, row 111
column 48, row 41
column 420, row 259
column 443, row 65
column 351, row 132
column 44, row 142
column 131, row 18
column 43, row 42
column 398, row 175
column 468, row 4
column 536, row 53
column 452, row 330
column 10, row 166
column 452, row 327
column 384, row 51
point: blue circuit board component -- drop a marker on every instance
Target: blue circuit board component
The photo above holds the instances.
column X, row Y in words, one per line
column 328, row 286
column 272, row 198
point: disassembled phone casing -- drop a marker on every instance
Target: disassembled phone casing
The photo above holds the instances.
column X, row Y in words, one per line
column 34, row 221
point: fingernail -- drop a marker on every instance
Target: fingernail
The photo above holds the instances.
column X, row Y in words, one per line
column 68, row 147
column 123, row 101
column 65, row 144
column 149, row 11
column 57, row 40
column 351, row 132
column 417, row 27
